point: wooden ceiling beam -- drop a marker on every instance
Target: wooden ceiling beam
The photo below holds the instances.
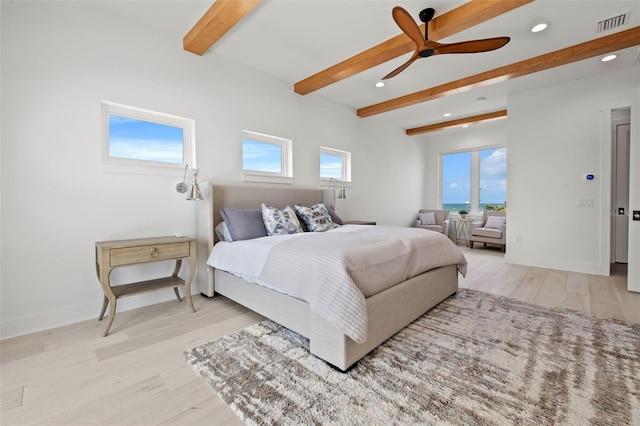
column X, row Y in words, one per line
column 215, row 23
column 452, row 22
column 589, row 49
column 458, row 122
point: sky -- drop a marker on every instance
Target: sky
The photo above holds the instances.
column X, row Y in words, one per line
column 144, row 140
column 261, row 156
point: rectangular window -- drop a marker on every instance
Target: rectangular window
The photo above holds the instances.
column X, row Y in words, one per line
column 493, row 178
column 456, row 181
column 473, row 180
column 335, row 164
column 143, row 141
column 266, row 158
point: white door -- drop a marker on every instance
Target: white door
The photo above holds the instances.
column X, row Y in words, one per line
column 620, row 203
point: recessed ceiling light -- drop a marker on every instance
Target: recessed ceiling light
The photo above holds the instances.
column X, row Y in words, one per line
column 539, row 27
column 465, row 126
column 446, row 114
column 481, row 100
column 380, row 84
column 609, row 58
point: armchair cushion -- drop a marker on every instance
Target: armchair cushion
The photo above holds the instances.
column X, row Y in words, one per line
column 436, row 228
column 487, row 232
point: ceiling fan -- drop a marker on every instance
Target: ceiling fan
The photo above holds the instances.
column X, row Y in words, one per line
column 426, row 47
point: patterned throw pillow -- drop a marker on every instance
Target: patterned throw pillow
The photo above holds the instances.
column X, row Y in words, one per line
column 279, row 222
column 316, row 218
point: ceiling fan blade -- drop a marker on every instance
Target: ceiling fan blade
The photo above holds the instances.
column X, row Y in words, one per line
column 408, row 25
column 402, row 67
column 473, row 46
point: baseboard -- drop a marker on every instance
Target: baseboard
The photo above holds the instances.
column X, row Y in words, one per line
column 42, row 321
column 562, row 265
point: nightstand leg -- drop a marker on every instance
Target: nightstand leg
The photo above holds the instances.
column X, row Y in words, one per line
column 105, row 301
column 175, row 290
column 112, row 314
column 189, row 300
column 175, row 274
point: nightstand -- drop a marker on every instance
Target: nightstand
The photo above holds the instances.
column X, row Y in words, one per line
column 358, row 222
column 112, row 254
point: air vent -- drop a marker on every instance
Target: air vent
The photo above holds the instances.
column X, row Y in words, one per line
column 614, row 22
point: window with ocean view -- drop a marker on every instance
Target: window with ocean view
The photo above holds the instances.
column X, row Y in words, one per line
column 493, row 178
column 456, row 181
column 474, row 180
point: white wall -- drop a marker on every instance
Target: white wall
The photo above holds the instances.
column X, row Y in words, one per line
column 555, row 137
column 59, row 60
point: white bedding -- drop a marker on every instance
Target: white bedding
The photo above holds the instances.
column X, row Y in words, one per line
column 335, row 271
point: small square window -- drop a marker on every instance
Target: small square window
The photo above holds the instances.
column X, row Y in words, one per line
column 335, row 164
column 266, row 158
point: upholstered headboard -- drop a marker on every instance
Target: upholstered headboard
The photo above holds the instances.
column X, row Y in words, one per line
column 242, row 197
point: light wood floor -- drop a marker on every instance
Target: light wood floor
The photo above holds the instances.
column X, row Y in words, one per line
column 138, row 376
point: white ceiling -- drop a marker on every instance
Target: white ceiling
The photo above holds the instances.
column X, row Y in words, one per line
column 293, row 40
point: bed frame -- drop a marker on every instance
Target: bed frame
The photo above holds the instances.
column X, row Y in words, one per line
column 388, row 311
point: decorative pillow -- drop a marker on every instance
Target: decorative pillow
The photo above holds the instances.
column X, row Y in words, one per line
column 316, row 218
column 243, row 224
column 334, row 216
column 427, row 218
column 223, row 232
column 279, row 222
column 495, row 222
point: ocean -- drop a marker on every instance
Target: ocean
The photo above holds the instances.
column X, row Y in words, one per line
column 462, row 206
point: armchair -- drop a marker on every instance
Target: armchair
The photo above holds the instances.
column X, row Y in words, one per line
column 433, row 220
column 492, row 229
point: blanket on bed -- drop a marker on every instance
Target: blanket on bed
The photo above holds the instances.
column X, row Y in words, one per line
column 334, row 272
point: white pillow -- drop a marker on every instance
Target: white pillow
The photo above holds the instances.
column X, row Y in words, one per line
column 495, row 222
column 427, row 218
column 223, row 232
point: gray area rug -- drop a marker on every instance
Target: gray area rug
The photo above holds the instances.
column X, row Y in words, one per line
column 475, row 359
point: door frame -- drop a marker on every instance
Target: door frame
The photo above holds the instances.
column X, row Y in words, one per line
column 606, row 166
column 614, row 207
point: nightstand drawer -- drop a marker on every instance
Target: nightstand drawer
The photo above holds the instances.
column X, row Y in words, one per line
column 149, row 253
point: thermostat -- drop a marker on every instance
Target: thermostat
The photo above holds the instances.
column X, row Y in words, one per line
column 589, row 176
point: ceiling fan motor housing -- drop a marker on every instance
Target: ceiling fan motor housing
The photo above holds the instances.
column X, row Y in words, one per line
column 427, row 14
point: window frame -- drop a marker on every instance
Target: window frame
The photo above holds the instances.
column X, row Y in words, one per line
column 345, row 173
column 286, row 160
column 131, row 165
column 474, row 202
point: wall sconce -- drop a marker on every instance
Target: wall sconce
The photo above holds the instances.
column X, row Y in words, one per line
column 194, row 190
column 343, row 192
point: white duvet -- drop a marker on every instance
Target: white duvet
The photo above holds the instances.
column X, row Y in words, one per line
column 335, row 271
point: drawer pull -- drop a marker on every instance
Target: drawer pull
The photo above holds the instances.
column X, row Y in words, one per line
column 154, row 252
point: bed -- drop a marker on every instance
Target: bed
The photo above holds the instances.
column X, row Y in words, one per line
column 386, row 311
